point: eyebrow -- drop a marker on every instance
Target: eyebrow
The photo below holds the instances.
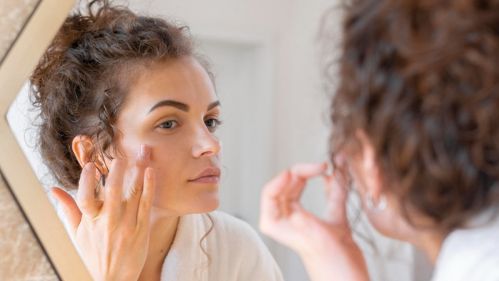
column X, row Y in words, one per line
column 180, row 105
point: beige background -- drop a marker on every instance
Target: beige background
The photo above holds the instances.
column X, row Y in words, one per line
column 13, row 15
column 22, row 257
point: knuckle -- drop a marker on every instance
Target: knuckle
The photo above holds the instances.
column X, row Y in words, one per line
column 145, row 205
column 129, row 230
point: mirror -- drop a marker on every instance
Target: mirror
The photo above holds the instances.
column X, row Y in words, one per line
column 27, row 24
column 264, row 56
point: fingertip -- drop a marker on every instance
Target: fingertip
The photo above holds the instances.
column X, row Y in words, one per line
column 88, row 173
column 286, row 175
column 56, row 191
column 144, row 153
column 327, row 166
column 149, row 173
column 324, row 166
column 53, row 193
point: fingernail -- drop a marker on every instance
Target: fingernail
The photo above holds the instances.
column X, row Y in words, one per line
column 328, row 168
column 149, row 173
column 145, row 152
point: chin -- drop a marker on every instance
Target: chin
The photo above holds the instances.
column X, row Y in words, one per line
column 212, row 207
column 209, row 203
column 205, row 202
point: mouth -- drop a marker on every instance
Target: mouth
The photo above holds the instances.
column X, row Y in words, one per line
column 209, row 175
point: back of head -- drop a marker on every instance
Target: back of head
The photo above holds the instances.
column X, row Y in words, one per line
column 421, row 79
column 82, row 79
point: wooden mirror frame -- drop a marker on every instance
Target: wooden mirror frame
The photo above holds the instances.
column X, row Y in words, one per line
column 19, row 61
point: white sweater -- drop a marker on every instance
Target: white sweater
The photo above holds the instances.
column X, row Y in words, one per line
column 471, row 254
column 233, row 252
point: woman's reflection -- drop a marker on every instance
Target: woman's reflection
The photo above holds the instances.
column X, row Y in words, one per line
column 129, row 113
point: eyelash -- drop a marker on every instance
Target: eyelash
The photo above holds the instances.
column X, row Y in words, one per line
column 211, row 129
column 168, row 121
column 217, row 121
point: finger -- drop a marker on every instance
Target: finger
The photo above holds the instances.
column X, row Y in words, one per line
column 85, row 198
column 136, row 182
column 336, row 199
column 270, row 205
column 297, row 174
column 114, row 187
column 275, row 186
column 135, row 186
column 146, row 199
column 71, row 212
column 301, row 173
column 308, row 170
column 287, row 188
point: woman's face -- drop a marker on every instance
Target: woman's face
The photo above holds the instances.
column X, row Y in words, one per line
column 172, row 108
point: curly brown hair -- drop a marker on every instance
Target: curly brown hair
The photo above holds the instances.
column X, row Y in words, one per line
column 81, row 81
column 421, row 79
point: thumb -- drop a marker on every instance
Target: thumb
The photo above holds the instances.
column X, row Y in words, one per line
column 337, row 195
column 69, row 207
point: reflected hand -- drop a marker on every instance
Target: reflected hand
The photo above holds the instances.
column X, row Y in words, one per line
column 325, row 246
column 112, row 236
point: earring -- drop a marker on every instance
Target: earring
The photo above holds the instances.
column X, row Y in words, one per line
column 377, row 206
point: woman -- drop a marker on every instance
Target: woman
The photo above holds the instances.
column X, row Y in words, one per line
column 415, row 128
column 129, row 115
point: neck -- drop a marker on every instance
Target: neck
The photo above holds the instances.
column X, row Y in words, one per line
column 162, row 234
column 430, row 243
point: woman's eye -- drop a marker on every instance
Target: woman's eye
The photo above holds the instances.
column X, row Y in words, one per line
column 212, row 124
column 170, row 124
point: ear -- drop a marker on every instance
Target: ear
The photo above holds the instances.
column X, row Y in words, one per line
column 369, row 165
column 84, row 149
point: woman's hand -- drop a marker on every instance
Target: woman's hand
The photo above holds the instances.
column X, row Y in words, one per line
column 112, row 236
column 325, row 246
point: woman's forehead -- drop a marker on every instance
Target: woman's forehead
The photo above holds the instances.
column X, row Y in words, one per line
column 182, row 80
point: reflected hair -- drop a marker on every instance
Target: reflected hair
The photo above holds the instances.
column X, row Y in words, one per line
column 81, row 81
column 421, row 79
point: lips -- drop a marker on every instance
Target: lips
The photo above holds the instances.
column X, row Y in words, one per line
column 208, row 175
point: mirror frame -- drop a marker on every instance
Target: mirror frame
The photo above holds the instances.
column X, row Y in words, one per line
column 16, row 67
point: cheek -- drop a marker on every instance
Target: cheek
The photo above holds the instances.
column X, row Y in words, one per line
column 168, row 161
column 169, row 157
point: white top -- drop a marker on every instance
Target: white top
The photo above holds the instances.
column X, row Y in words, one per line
column 233, row 252
column 471, row 253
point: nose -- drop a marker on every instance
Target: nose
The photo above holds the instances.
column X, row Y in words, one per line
column 206, row 144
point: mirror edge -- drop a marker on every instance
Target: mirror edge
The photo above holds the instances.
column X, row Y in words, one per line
column 18, row 63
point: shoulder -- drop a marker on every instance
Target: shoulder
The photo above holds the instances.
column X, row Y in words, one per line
column 470, row 254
